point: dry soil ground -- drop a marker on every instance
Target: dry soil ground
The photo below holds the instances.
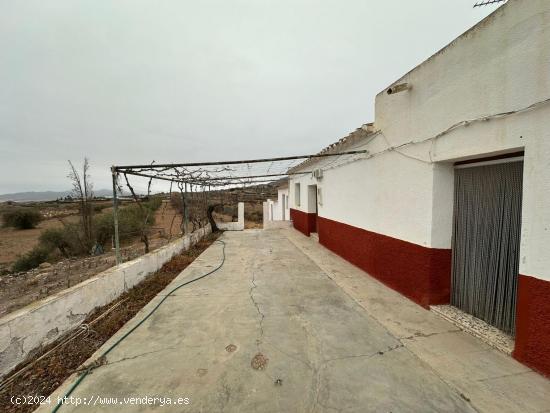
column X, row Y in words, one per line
column 15, row 242
column 42, row 282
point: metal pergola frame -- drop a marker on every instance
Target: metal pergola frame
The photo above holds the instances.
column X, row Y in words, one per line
column 149, row 170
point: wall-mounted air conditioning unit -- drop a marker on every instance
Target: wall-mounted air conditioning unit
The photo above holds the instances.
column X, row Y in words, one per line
column 318, row 174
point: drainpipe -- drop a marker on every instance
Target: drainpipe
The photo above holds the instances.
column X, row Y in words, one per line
column 401, row 87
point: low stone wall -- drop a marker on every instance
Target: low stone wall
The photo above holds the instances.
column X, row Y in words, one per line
column 45, row 320
column 234, row 226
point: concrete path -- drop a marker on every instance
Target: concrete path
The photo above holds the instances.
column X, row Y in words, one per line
column 329, row 338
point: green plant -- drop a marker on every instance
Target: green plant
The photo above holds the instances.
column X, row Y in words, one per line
column 31, row 259
column 57, row 238
column 99, row 207
column 75, row 237
column 69, row 240
column 104, row 228
column 130, row 222
column 154, row 202
column 22, row 218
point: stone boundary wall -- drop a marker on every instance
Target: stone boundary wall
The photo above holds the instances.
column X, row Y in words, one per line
column 234, row 226
column 45, row 320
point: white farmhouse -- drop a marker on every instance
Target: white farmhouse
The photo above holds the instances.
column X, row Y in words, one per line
column 450, row 203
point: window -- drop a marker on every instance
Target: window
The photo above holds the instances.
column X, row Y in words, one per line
column 297, row 195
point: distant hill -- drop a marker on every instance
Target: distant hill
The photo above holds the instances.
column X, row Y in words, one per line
column 46, row 195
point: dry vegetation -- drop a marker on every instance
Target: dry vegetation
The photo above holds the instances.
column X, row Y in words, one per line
column 45, row 375
column 64, row 271
column 15, row 242
column 68, row 265
column 67, row 272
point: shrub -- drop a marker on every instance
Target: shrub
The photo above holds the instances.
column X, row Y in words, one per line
column 74, row 236
column 154, row 203
column 99, row 207
column 69, row 240
column 31, row 259
column 254, row 216
column 56, row 238
column 229, row 210
column 130, row 222
column 104, row 228
column 22, row 218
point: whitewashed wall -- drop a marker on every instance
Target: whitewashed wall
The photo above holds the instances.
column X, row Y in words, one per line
column 44, row 321
column 234, row 226
column 273, row 209
column 283, row 215
column 304, row 181
column 502, row 64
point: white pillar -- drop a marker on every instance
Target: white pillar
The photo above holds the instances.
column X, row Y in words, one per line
column 240, row 212
column 265, row 213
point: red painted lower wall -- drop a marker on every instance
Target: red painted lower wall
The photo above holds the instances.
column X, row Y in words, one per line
column 304, row 222
column 419, row 273
column 424, row 275
column 533, row 324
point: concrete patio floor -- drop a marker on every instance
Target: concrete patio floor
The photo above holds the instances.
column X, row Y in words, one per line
column 335, row 339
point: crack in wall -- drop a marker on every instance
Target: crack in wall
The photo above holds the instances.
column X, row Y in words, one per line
column 13, row 352
column 76, row 317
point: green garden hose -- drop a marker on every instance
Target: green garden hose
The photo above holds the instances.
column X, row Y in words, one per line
column 116, row 343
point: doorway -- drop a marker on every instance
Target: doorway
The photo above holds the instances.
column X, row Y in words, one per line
column 486, row 240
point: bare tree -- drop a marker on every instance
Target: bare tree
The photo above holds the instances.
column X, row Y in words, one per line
column 145, row 212
column 192, row 203
column 209, row 213
column 83, row 191
column 197, row 209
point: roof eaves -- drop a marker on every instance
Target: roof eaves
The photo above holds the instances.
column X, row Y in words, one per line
column 340, row 145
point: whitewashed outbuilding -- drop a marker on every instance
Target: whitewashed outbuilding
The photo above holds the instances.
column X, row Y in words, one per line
column 450, row 202
column 277, row 212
